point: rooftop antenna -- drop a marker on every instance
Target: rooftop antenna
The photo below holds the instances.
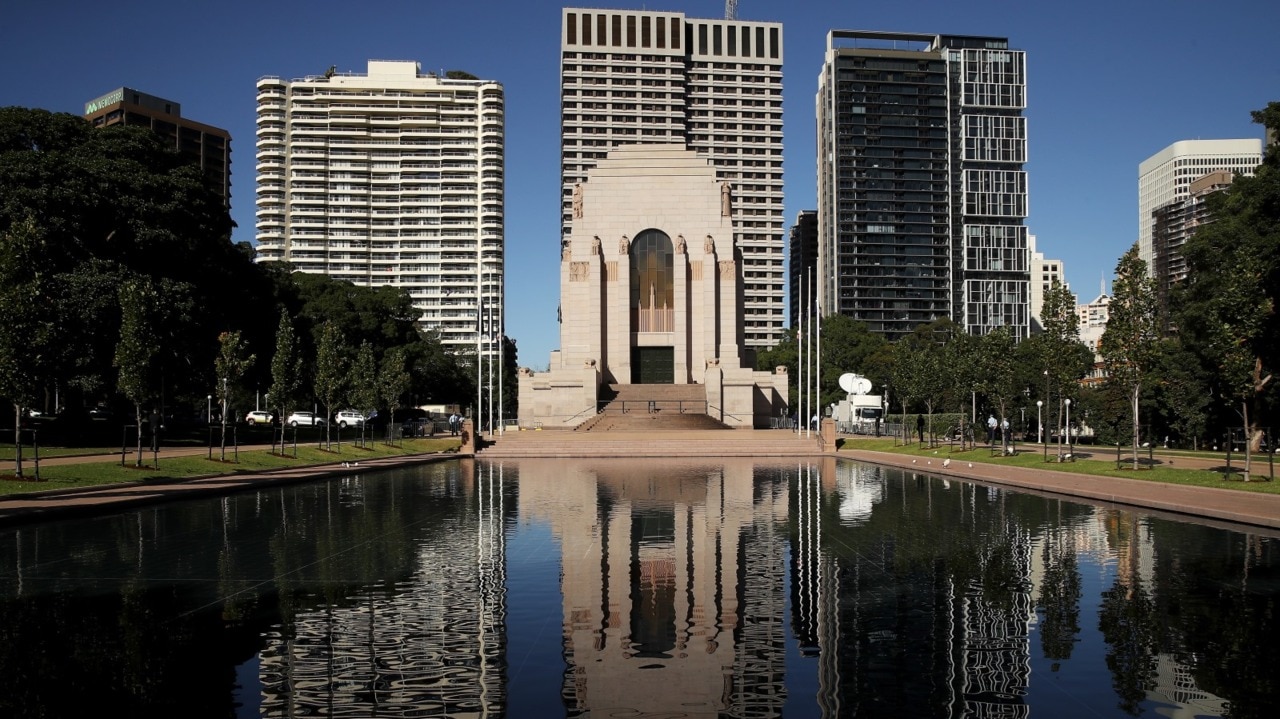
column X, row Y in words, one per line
column 730, row 9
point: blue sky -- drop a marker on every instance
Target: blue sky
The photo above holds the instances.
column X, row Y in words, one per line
column 1109, row 84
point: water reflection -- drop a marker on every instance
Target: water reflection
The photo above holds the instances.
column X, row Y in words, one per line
column 629, row 588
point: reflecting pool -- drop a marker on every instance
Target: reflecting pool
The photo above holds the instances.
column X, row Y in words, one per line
column 625, row 588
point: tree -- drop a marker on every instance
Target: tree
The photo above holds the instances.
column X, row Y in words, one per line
column 363, row 383
column 138, row 349
column 286, row 372
column 27, row 332
column 229, row 366
column 331, row 368
column 110, row 203
column 996, row 378
column 1133, row 330
column 1056, row 358
column 1226, row 309
column 961, row 360
column 394, row 380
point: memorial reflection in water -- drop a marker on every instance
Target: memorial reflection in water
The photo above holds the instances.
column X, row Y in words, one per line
column 623, row 587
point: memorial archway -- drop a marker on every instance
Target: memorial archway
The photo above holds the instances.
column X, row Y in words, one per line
column 652, row 304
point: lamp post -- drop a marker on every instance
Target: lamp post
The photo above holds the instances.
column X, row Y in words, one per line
column 1067, row 430
column 1039, row 422
column 1040, row 429
column 208, row 416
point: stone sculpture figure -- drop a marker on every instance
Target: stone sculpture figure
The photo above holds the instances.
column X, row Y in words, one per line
column 624, row 246
column 709, row 245
column 680, row 245
column 725, row 199
column 577, row 200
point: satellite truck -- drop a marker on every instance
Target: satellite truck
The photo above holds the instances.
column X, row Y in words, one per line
column 860, row 412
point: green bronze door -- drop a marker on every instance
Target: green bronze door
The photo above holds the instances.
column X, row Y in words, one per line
column 653, row 365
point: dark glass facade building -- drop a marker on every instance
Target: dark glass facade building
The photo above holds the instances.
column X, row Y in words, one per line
column 922, row 195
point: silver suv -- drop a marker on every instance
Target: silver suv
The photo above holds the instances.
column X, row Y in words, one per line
column 304, row 419
column 348, row 418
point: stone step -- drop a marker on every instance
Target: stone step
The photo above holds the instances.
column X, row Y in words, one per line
column 692, row 443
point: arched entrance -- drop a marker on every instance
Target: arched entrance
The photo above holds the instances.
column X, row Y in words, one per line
column 652, row 308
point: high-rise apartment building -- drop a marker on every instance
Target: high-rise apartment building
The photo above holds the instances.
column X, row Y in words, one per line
column 1166, row 177
column 1044, row 272
column 802, row 271
column 921, row 189
column 714, row 86
column 210, row 146
column 390, row 178
column 1173, row 224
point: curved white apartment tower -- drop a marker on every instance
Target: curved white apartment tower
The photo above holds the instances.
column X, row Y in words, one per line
column 393, row 177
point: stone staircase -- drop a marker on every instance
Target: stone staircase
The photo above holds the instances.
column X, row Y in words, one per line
column 652, row 407
column 687, row 443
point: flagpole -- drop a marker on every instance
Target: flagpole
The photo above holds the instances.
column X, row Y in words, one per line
column 817, row 363
column 804, row 393
column 800, row 363
column 479, row 360
column 488, row 337
column 502, row 354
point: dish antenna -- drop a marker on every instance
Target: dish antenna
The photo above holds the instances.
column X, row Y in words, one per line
column 855, row 383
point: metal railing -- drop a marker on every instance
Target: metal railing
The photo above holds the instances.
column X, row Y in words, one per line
column 653, row 406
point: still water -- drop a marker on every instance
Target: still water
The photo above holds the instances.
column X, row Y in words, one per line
column 623, row 588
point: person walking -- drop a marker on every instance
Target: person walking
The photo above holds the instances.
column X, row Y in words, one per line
column 453, row 424
column 991, row 429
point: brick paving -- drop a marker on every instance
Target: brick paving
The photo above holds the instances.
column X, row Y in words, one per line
column 1205, row 503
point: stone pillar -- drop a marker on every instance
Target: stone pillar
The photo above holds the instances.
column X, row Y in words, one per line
column 680, row 327
column 827, row 434
column 617, row 320
column 714, row 381
column 709, row 338
column 728, row 312
column 468, row 437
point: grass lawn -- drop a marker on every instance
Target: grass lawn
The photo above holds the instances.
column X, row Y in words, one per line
column 109, row 471
column 7, row 453
column 1100, row 462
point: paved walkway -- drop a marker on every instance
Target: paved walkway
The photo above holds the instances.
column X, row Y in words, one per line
column 101, row 499
column 1228, row 505
column 1234, row 506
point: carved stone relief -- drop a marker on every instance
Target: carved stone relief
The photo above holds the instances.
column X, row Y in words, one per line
column 579, row 271
column 726, row 268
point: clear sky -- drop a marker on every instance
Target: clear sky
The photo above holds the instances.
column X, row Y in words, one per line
column 1109, row 84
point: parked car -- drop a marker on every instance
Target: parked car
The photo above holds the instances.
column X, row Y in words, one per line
column 304, row 419
column 258, row 416
column 348, row 418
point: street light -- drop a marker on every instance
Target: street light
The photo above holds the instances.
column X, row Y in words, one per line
column 1040, row 430
column 1039, row 422
column 208, row 417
